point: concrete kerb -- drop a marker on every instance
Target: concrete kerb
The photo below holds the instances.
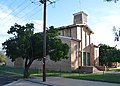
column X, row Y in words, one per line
column 10, row 84
column 33, row 81
column 11, row 73
column 40, row 82
column 59, row 81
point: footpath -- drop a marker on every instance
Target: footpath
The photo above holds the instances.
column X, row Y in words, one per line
column 58, row 81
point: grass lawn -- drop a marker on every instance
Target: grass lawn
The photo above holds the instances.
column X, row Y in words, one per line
column 113, row 78
column 115, row 69
column 14, row 72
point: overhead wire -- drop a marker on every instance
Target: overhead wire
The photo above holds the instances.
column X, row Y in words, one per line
column 35, row 13
column 4, row 1
column 18, row 12
column 12, row 3
column 34, row 9
column 39, row 10
column 15, row 9
column 32, row 15
column 35, row 2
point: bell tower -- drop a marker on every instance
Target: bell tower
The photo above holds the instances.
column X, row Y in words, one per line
column 80, row 18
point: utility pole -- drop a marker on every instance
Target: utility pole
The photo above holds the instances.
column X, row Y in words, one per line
column 44, row 37
column 44, row 2
column 44, row 42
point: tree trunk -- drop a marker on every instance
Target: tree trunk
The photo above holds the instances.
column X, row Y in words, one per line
column 27, row 66
column 26, row 72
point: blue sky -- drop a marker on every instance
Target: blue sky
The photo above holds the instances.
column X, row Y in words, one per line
column 102, row 16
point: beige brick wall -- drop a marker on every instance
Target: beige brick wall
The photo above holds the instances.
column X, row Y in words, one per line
column 96, row 56
column 74, row 32
column 78, row 33
column 75, row 55
column 63, row 65
column 67, row 33
column 19, row 62
column 9, row 62
column 86, row 49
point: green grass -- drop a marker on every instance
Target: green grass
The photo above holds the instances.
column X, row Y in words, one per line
column 113, row 78
column 10, row 69
column 15, row 72
column 115, row 69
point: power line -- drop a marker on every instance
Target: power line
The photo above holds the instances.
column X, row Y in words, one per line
column 4, row 1
column 34, row 2
column 15, row 9
column 28, row 13
column 17, row 13
column 12, row 3
column 35, row 13
column 22, row 10
column 38, row 10
column 31, row 15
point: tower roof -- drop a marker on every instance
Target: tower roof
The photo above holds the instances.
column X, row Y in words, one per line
column 81, row 12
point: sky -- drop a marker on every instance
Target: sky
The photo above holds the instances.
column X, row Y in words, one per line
column 102, row 16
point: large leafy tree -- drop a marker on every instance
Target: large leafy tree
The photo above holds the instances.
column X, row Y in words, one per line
column 108, row 54
column 29, row 45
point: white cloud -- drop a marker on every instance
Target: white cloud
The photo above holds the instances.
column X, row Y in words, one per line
column 8, row 20
column 103, row 27
column 38, row 24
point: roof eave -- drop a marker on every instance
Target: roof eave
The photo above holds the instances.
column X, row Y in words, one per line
column 85, row 25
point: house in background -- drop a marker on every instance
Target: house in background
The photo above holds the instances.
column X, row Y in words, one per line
column 82, row 53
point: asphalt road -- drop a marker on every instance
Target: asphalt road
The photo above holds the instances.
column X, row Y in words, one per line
column 6, row 80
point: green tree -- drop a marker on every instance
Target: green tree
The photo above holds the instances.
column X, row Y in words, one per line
column 108, row 54
column 29, row 45
column 2, row 58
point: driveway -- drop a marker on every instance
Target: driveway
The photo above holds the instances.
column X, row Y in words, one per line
column 6, row 80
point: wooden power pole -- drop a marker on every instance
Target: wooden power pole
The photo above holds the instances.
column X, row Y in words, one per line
column 44, row 42
column 44, row 39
